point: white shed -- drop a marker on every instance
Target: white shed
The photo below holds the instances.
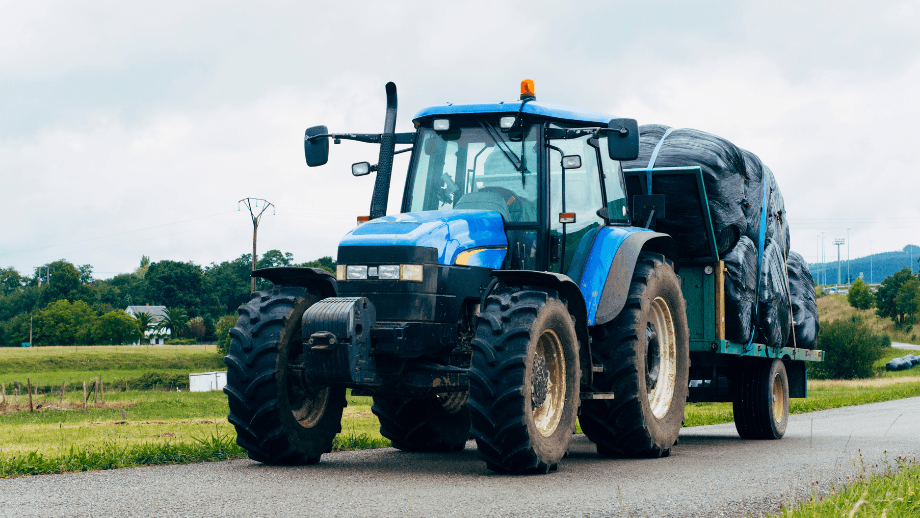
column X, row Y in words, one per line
column 207, row 381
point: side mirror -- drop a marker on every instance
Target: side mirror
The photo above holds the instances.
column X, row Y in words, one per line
column 623, row 139
column 316, row 149
column 360, row 168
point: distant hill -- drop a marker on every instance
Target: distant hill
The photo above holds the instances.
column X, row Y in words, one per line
column 883, row 264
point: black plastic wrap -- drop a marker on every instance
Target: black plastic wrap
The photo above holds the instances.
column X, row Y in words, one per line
column 734, row 180
column 724, row 176
column 774, row 317
column 740, row 284
column 804, row 303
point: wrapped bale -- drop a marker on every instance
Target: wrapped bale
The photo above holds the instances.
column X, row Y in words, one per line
column 734, row 180
column 774, row 317
column 740, row 290
column 724, row 176
column 804, row 303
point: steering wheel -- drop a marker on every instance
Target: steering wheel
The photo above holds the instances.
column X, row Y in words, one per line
column 514, row 204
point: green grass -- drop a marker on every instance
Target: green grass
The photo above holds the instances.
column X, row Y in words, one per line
column 893, row 493
column 16, row 361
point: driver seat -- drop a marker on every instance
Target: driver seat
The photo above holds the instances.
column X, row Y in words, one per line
column 488, row 200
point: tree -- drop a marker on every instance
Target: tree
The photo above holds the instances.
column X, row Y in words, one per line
column 175, row 320
column 144, row 322
column 907, row 299
column 179, row 285
column 326, row 263
column 142, row 269
column 115, row 328
column 86, row 273
column 133, row 289
column 859, row 295
column 11, row 281
column 196, row 328
column 888, row 291
column 229, row 281
column 224, row 325
column 275, row 258
column 65, row 323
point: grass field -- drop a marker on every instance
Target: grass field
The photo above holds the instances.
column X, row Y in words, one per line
column 835, row 307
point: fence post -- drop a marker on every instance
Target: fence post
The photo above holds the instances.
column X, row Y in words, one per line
column 3, row 392
column 29, row 382
column 85, row 396
column 101, row 390
column 63, row 388
column 96, row 391
column 16, row 394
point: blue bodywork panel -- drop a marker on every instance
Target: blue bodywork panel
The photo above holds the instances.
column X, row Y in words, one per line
column 597, row 267
column 449, row 231
column 535, row 108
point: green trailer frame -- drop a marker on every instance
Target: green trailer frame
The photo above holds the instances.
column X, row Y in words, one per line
column 712, row 356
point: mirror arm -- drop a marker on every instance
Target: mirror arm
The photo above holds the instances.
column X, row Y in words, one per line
column 370, row 138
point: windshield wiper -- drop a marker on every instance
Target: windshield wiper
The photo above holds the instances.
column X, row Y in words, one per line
column 503, row 146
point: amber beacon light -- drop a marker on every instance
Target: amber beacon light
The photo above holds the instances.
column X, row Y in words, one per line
column 527, row 90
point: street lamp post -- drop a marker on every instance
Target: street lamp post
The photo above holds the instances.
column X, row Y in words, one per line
column 848, row 256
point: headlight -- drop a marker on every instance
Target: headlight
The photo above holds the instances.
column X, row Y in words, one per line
column 388, row 271
column 412, row 272
column 353, row 272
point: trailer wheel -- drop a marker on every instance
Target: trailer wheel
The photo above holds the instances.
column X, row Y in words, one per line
column 761, row 401
column 524, row 381
column 645, row 352
column 422, row 425
column 277, row 418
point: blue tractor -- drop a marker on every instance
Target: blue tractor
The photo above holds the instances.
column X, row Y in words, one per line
column 516, row 292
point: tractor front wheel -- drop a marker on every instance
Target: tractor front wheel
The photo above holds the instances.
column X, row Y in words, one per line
column 278, row 419
column 524, row 381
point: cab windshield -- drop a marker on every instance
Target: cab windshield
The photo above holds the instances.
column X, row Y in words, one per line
column 476, row 165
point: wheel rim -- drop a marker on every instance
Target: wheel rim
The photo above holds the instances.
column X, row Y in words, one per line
column 548, row 383
column 779, row 397
column 660, row 358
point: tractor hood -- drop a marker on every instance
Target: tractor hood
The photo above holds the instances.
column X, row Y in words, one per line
column 461, row 237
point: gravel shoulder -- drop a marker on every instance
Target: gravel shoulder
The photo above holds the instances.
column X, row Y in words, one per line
column 711, row 472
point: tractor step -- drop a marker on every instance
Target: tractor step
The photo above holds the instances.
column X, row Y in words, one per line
column 597, row 395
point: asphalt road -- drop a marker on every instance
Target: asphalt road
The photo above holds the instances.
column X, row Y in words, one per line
column 909, row 347
column 711, row 472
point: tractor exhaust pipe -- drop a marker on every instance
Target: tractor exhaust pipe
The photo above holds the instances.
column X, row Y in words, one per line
column 385, row 161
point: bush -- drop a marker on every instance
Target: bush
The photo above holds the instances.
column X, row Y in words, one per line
column 850, row 350
column 223, row 327
column 859, row 295
column 153, row 380
column 181, row 341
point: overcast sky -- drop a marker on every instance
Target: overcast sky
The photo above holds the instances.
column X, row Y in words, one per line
column 133, row 129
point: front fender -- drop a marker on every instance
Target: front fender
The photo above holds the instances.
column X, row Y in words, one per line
column 620, row 252
column 311, row 278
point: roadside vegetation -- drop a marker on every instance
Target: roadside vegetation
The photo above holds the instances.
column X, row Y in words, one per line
column 893, row 493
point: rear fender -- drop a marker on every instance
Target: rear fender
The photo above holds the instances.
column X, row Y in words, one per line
column 569, row 292
column 314, row 279
column 619, row 275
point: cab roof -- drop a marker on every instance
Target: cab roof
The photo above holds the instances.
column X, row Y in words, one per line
column 553, row 111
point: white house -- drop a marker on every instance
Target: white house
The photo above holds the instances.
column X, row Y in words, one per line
column 153, row 333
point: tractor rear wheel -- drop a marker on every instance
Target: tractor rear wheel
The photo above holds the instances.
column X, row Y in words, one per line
column 760, row 400
column 278, row 419
column 422, row 424
column 524, row 380
column 645, row 352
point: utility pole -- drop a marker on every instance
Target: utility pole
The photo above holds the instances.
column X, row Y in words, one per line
column 818, row 255
column 47, row 274
column 250, row 204
column 823, row 261
column 848, row 256
column 838, row 242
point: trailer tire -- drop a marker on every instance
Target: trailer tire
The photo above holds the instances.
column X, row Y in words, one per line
column 422, row 424
column 277, row 419
column 760, row 400
column 646, row 344
column 524, row 380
